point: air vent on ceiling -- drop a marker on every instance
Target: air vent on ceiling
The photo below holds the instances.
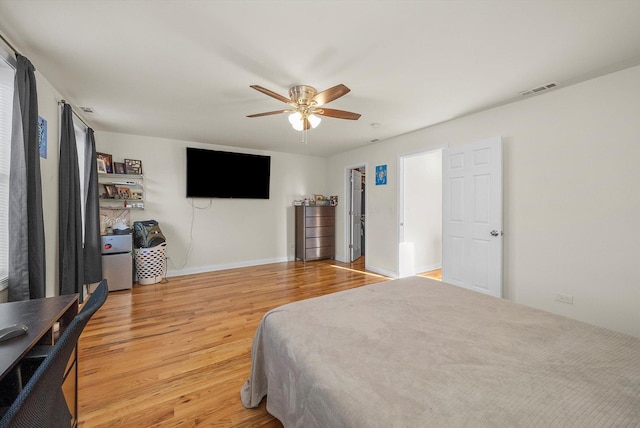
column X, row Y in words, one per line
column 87, row 109
column 541, row 88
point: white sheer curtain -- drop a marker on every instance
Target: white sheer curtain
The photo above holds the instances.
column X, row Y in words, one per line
column 80, row 129
column 7, row 73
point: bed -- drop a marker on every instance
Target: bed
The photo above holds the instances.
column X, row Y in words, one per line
column 415, row 352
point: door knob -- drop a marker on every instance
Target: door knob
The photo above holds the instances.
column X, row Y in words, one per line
column 494, row 233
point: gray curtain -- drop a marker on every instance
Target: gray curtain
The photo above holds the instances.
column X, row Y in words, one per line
column 92, row 243
column 27, row 268
column 70, row 253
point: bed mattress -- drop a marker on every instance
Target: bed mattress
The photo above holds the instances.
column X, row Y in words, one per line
column 415, row 352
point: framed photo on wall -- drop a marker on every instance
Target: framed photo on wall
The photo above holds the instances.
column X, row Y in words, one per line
column 381, row 175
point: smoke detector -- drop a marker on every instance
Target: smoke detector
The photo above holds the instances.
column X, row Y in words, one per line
column 540, row 88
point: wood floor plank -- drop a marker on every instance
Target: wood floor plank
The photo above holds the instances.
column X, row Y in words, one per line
column 176, row 354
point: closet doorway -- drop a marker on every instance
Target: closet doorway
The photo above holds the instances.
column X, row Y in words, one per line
column 356, row 179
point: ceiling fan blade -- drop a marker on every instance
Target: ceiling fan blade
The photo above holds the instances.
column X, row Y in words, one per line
column 271, row 94
column 340, row 114
column 330, row 94
column 268, row 113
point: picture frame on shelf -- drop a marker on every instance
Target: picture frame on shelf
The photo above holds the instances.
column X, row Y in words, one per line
column 133, row 166
column 111, row 190
column 119, row 167
column 102, row 167
column 124, row 192
column 108, row 161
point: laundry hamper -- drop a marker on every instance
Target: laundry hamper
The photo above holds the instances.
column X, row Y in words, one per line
column 151, row 264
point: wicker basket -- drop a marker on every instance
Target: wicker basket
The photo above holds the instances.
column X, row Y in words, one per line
column 151, row 264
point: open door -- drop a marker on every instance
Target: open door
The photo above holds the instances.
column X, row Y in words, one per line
column 355, row 215
column 472, row 216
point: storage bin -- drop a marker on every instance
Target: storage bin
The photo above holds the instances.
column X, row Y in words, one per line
column 151, row 264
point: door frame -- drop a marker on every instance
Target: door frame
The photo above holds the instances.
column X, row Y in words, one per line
column 400, row 198
column 347, row 208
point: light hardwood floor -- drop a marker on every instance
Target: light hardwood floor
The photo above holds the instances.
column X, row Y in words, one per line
column 433, row 274
column 177, row 354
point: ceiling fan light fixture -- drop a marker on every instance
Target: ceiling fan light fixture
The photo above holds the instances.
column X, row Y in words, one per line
column 314, row 120
column 295, row 119
column 305, row 99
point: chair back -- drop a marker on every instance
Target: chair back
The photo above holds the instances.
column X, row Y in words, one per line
column 41, row 403
column 96, row 300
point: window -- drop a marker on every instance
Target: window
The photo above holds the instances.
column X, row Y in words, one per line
column 80, row 130
column 7, row 72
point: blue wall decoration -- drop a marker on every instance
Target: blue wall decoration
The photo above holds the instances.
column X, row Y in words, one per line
column 381, row 175
column 42, row 136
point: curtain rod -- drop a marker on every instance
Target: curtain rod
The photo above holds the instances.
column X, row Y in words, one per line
column 9, row 45
column 59, row 102
column 74, row 113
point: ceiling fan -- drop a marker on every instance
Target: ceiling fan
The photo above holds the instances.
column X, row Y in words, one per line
column 307, row 105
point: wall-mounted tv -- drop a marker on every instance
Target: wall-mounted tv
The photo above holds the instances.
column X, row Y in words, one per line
column 217, row 174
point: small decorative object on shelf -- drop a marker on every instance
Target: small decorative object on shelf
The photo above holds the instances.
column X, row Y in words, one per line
column 124, row 192
column 132, row 166
column 111, row 190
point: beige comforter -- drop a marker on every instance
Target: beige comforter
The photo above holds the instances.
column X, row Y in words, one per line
column 415, row 352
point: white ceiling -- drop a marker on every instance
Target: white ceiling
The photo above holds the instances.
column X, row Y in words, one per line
column 181, row 69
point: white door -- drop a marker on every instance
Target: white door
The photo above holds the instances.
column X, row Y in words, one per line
column 472, row 216
column 355, row 215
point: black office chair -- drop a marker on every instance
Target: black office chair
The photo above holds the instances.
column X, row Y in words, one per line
column 41, row 402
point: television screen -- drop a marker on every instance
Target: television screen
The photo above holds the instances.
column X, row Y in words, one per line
column 216, row 174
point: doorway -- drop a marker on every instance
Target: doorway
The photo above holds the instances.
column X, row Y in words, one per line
column 467, row 244
column 420, row 195
column 356, row 191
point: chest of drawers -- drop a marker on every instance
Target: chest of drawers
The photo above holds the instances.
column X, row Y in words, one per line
column 315, row 232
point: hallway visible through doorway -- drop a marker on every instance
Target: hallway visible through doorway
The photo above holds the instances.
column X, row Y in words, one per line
column 433, row 274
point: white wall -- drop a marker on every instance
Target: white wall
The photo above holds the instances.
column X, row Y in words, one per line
column 571, row 196
column 221, row 233
column 48, row 108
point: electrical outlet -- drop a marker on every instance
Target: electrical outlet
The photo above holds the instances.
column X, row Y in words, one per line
column 564, row 298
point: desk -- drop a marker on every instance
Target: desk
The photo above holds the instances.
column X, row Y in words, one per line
column 39, row 315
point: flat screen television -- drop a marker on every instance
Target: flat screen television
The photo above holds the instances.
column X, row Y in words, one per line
column 217, row 174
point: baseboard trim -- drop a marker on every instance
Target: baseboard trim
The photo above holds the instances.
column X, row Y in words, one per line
column 427, row 268
column 213, row 268
column 249, row 263
column 381, row 271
